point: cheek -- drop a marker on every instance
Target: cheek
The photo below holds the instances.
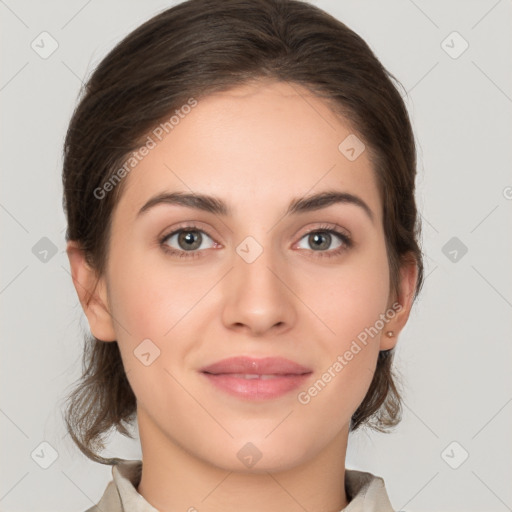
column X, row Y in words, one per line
column 351, row 297
column 351, row 305
column 155, row 300
column 151, row 295
column 151, row 303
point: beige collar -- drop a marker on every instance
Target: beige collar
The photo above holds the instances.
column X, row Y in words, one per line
column 367, row 492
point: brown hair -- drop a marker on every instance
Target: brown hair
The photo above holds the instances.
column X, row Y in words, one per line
column 191, row 50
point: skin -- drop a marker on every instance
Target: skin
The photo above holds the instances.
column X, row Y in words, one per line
column 257, row 147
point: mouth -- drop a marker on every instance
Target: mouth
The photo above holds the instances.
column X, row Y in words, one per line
column 256, row 379
column 250, row 375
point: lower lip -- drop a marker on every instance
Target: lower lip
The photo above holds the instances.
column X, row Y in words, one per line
column 257, row 389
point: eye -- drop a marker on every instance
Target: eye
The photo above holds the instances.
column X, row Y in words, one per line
column 321, row 241
column 185, row 240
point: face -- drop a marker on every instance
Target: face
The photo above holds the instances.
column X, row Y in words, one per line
column 269, row 277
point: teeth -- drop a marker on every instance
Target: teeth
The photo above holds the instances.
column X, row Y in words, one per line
column 253, row 376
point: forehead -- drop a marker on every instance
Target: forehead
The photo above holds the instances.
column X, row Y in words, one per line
column 253, row 145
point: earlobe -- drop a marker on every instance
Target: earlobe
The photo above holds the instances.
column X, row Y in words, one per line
column 402, row 306
column 92, row 293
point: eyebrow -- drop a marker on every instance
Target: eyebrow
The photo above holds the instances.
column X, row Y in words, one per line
column 217, row 206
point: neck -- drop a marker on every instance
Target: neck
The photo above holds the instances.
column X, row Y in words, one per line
column 175, row 479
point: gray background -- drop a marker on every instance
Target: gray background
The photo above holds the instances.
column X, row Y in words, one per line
column 454, row 355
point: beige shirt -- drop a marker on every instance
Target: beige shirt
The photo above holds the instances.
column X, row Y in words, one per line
column 366, row 492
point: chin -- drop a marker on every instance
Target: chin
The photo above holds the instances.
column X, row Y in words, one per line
column 257, row 455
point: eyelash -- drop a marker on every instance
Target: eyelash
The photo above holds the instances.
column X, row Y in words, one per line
column 345, row 239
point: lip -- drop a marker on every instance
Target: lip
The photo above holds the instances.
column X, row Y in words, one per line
column 267, row 378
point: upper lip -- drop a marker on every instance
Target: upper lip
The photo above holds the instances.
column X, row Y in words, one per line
column 256, row 366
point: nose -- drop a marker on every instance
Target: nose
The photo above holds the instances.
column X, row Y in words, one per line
column 257, row 297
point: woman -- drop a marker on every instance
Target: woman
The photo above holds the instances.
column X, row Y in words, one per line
column 243, row 238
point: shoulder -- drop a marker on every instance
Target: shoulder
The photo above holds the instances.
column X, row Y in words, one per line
column 366, row 492
column 121, row 493
column 109, row 502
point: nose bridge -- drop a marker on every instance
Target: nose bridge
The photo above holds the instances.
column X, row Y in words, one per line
column 255, row 296
column 252, row 269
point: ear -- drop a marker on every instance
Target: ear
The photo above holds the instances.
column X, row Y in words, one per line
column 402, row 305
column 92, row 293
